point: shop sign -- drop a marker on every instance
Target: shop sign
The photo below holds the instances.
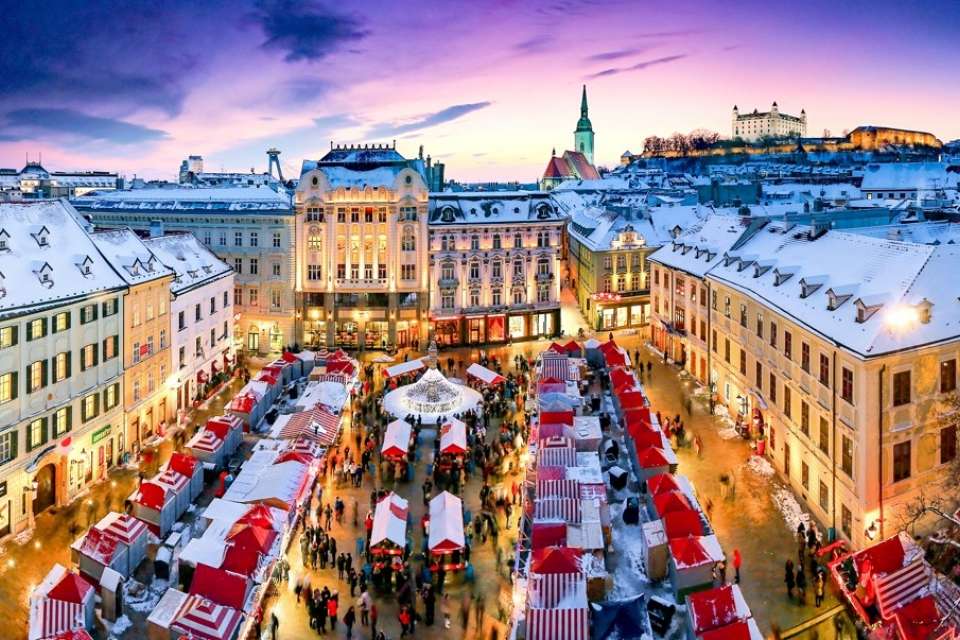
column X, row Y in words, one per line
column 100, row 434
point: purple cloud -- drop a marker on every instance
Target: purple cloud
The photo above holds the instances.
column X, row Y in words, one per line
column 638, row 66
column 444, row 115
column 57, row 123
column 306, row 30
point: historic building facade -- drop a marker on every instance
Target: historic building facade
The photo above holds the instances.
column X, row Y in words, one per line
column 361, row 237
column 61, row 419
column 249, row 228
column 494, row 267
column 847, row 365
column 201, row 315
column 145, row 347
column 755, row 125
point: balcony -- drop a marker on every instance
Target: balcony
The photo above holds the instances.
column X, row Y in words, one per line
column 448, row 283
column 361, row 283
column 544, row 277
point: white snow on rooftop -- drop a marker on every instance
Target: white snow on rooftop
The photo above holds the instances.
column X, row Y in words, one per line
column 130, row 257
column 193, row 264
column 182, row 197
column 68, row 247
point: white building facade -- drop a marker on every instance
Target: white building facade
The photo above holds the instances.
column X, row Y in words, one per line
column 61, row 406
column 201, row 316
column 494, row 267
column 756, row 125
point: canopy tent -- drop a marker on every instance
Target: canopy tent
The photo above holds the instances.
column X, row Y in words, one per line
column 389, row 534
column 558, row 488
column 715, row 608
column 631, row 399
column 645, row 437
column 554, row 430
column 562, row 560
column 404, row 368
column 62, row 602
column 556, row 348
column 563, row 417
column 131, row 536
column 556, row 457
column 622, row 379
column 671, row 502
column 228, row 428
column 558, row 624
column 346, row 367
column 221, row 586
column 190, row 468
column 557, row 509
column 572, row 348
column 330, row 393
column 280, row 485
column 317, row 425
column 623, row 619
column 694, row 551
column 453, row 437
column 396, row 439
column 95, row 551
column 616, row 358
column 661, row 483
column 555, row 366
column 548, row 534
column 547, row 387
column 203, row 619
column 446, row 524
column 155, row 505
column 483, row 374
column 681, row 524
column 207, row 447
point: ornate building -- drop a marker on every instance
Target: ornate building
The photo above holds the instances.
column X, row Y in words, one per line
column 494, row 267
column 751, row 127
column 361, row 274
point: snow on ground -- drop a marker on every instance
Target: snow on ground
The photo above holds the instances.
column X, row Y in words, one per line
column 119, row 627
column 728, row 433
column 629, row 572
column 793, row 514
column 761, row 466
column 146, row 600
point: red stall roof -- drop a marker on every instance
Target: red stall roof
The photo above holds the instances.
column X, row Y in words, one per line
column 183, row 464
column 671, row 502
column 151, row 495
column 548, row 534
column 682, row 524
column 715, row 608
column 220, row 586
column 556, row 560
column 252, row 537
column 662, row 482
column 688, row 552
column 288, row 357
column 653, row 457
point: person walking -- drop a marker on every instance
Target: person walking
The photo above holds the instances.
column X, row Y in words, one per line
column 373, row 619
column 332, row 612
column 274, row 625
column 801, row 584
column 819, row 588
column 788, row 577
column 737, row 561
column 365, row 608
column 349, row 618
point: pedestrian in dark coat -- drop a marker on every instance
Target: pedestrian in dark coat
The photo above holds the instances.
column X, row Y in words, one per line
column 801, row 584
column 788, row 577
column 349, row 618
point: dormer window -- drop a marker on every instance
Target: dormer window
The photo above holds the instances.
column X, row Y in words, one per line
column 207, row 268
column 760, row 268
column 866, row 309
column 729, row 259
column 4, row 240
column 543, row 211
column 809, row 286
column 86, row 266
column 44, row 272
column 3, row 284
column 151, row 264
column 836, row 296
column 192, row 273
column 446, row 214
column 924, row 308
column 779, row 277
column 134, row 268
column 686, row 249
column 42, row 236
column 746, row 262
column 711, row 255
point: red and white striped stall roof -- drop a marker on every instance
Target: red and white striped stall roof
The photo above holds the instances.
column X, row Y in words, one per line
column 557, row 457
column 558, row 624
column 207, row 441
column 318, row 425
column 569, row 489
column 557, row 590
column 339, row 378
column 206, row 620
column 557, row 367
column 52, row 617
column 565, row 509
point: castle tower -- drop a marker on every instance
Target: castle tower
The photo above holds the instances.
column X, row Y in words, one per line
column 583, row 136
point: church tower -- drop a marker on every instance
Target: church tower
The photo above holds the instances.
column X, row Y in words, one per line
column 583, row 136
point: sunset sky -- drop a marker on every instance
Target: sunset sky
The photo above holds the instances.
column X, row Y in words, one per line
column 489, row 87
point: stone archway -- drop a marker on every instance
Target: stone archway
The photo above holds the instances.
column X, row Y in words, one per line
column 46, row 494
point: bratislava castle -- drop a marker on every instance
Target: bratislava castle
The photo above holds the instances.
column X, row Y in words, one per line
column 755, row 125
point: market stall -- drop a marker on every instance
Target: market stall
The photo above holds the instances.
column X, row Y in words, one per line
column 95, row 551
column 715, row 608
column 131, row 535
column 202, row 619
column 228, row 428
column 249, row 406
column 295, row 364
column 692, row 559
column 155, row 505
column 453, row 444
column 208, row 448
column 396, row 440
column 62, row 602
column 388, row 538
column 446, row 540
column 179, row 485
column 404, row 368
column 484, row 375
column 190, row 468
column 317, row 425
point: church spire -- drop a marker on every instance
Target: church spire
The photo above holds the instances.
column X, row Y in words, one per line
column 583, row 103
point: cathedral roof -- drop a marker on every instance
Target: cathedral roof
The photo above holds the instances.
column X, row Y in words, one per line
column 572, row 164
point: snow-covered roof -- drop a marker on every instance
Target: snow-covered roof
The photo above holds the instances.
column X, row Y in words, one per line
column 825, row 290
column 909, row 176
column 492, row 208
column 130, row 257
column 703, row 246
column 598, row 228
column 49, row 257
column 920, row 233
column 192, row 263
column 234, row 199
column 357, row 179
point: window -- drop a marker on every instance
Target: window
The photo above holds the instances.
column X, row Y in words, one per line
column 149, row 345
column 36, row 433
column 62, row 421
column 183, row 357
column 901, row 461
column 8, row 337
column 238, row 296
column 773, row 388
column 948, row 444
column 518, row 244
column 948, row 376
column 824, row 435
column 36, row 376
column 61, row 366
column 446, row 299
column 226, row 299
column 8, row 387
column 474, row 298
column 846, row 455
column 497, row 269
column 197, row 314
column 846, row 520
column 474, row 243
column 110, row 307
column 743, row 362
column 805, row 475
column 254, row 266
column 198, row 346
column 368, row 215
column 382, row 214
column 36, row 329
column 275, row 299
column 213, row 337
column 805, row 418
column 496, row 241
column 713, row 300
column 787, row 402
column 805, row 356
column 901, row 388
column 773, row 334
column 713, row 337
column 788, row 345
column 213, row 305
column 726, row 306
column 149, row 311
column 759, row 324
column 824, row 496
column 8, row 446
column 238, row 238
column 276, row 239
column 341, row 214
column 61, row 321
column 206, row 238
column 743, row 315
column 315, row 243
column 474, row 270
column 355, row 214
column 222, row 240
column 759, row 376
column 163, row 338
column 446, row 271
column 495, row 298
column 824, row 370
column 408, row 241
column 314, row 272
column 543, row 293
column 726, row 349
column 543, row 267
column 518, row 269
column 136, row 352
column 846, row 384
column 518, row 296
column 407, row 271
column 254, row 297
column 238, row 265
column 90, row 407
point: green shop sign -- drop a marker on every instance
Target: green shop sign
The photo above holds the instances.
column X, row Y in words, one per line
column 100, row 434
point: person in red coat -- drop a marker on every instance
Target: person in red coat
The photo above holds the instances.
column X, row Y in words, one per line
column 332, row 612
column 737, row 560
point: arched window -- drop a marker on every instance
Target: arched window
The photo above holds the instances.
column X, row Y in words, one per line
column 475, row 270
column 446, row 271
column 518, row 269
column 446, row 214
column 497, row 269
column 543, row 266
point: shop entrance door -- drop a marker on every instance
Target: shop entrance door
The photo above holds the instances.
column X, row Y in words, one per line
column 46, row 497
column 101, row 462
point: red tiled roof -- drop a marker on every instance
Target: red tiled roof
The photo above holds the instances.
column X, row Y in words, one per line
column 581, row 166
column 557, row 168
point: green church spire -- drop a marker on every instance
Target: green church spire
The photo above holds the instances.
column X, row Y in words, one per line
column 584, row 123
